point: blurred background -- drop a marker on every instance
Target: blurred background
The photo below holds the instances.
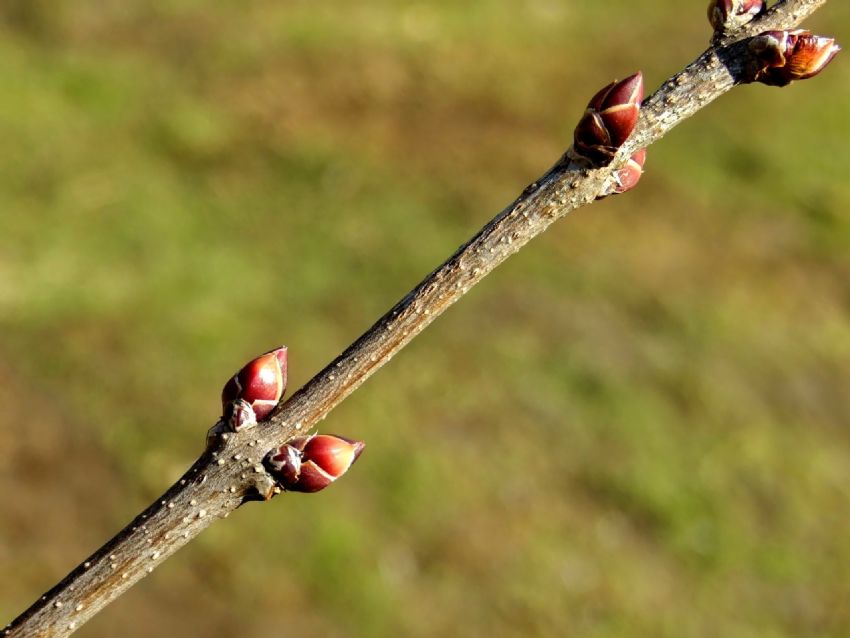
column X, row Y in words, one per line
column 638, row 426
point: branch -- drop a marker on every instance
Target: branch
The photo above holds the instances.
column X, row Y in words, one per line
column 229, row 473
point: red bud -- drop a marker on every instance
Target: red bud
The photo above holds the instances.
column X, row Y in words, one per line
column 785, row 56
column 726, row 14
column 257, row 387
column 627, row 177
column 609, row 119
column 311, row 463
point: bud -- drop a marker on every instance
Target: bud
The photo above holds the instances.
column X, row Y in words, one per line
column 238, row 414
column 252, row 393
column 609, row 119
column 785, row 56
column 626, row 178
column 726, row 14
column 311, row 463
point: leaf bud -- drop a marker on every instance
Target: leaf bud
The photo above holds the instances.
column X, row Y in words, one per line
column 627, row 177
column 785, row 56
column 609, row 119
column 730, row 14
column 311, row 463
column 252, row 393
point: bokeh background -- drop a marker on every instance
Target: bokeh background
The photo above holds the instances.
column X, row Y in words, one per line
column 639, row 426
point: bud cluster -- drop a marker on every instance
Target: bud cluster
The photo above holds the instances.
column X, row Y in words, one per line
column 784, row 56
column 311, row 463
column 304, row 463
column 731, row 14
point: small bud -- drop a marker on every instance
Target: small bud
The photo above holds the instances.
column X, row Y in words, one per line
column 609, row 119
column 731, row 14
column 785, row 56
column 626, row 178
column 311, row 463
column 286, row 463
column 252, row 393
column 238, row 414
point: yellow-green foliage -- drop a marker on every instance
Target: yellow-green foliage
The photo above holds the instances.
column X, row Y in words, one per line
column 639, row 426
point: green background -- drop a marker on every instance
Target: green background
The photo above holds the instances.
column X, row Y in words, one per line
column 638, row 426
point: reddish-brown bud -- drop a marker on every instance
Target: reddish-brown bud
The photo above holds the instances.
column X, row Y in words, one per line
column 311, row 463
column 726, row 14
column 627, row 177
column 238, row 414
column 609, row 119
column 785, row 56
column 252, row 393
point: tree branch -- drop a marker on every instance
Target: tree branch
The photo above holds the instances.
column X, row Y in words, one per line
column 230, row 473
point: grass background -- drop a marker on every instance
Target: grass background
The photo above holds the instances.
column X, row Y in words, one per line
column 639, row 426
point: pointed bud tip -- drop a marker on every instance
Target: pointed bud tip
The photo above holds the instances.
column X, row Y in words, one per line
column 609, row 119
column 634, row 84
column 281, row 353
column 785, row 56
column 626, row 91
column 822, row 50
column 333, row 454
